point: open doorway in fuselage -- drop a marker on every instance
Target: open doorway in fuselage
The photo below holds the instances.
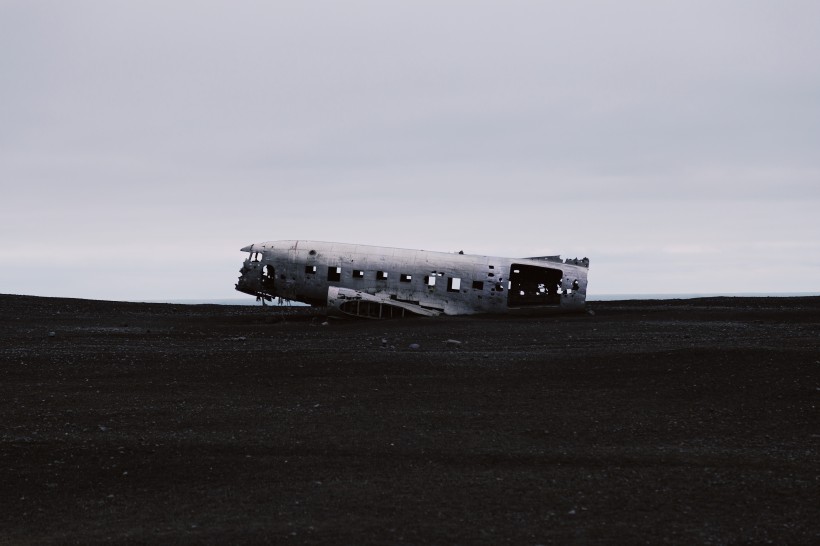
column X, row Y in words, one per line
column 268, row 278
column 534, row 285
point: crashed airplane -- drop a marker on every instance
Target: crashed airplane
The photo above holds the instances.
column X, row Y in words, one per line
column 383, row 282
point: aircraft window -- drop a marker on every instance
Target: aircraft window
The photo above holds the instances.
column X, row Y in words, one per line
column 499, row 287
column 430, row 280
column 310, row 269
column 312, row 253
column 453, row 284
column 404, row 277
column 358, row 274
column 575, row 285
column 491, row 274
column 381, row 275
column 334, row 273
column 492, row 267
column 478, row 285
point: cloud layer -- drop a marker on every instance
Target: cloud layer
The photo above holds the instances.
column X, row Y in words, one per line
column 143, row 144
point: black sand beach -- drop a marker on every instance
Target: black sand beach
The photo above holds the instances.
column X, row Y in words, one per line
column 680, row 421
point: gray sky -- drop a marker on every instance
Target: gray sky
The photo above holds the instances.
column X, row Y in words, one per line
column 676, row 144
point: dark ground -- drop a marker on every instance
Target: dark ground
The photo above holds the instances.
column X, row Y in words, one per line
column 652, row 421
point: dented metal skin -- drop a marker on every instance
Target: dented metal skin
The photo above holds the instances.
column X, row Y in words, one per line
column 383, row 282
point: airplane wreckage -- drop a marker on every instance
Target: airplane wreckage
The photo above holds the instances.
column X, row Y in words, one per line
column 382, row 282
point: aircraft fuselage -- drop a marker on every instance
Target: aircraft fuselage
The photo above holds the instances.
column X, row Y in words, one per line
column 377, row 282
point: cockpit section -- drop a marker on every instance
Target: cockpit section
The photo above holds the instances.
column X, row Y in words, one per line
column 256, row 278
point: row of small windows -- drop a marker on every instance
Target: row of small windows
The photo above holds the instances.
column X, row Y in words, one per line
column 334, row 274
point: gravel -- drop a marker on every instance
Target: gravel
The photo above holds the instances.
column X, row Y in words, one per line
column 672, row 421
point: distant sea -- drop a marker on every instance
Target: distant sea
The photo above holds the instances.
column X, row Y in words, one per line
column 590, row 297
column 610, row 297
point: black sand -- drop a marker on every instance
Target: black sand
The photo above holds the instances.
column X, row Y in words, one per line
column 651, row 421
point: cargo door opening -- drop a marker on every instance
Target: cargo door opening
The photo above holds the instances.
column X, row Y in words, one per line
column 533, row 285
column 268, row 277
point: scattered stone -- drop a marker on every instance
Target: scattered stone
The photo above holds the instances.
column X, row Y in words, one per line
column 414, row 346
column 453, row 342
column 590, row 312
column 52, row 334
column 103, row 428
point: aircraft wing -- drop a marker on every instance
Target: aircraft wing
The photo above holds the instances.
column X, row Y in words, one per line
column 347, row 301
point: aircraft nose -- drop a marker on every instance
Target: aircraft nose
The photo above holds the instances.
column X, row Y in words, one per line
column 248, row 282
column 248, row 248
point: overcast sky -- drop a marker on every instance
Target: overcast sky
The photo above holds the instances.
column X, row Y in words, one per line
column 142, row 144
